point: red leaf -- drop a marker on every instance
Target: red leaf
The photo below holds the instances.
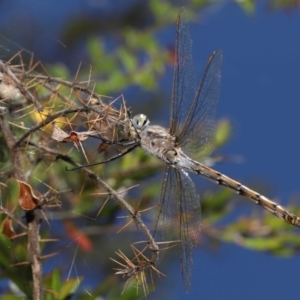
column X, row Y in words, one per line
column 75, row 234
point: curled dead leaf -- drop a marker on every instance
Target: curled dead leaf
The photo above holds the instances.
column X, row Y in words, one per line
column 61, row 136
column 7, row 228
column 28, row 198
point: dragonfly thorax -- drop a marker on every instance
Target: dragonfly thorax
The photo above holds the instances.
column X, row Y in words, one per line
column 157, row 141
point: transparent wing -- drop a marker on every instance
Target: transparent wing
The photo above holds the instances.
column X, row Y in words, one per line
column 179, row 218
column 184, row 75
column 167, row 227
column 197, row 134
column 193, row 111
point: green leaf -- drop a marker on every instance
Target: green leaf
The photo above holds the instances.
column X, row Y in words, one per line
column 128, row 60
column 69, row 288
column 223, row 132
column 247, row 5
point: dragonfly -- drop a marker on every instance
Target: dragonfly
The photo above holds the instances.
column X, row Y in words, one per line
column 184, row 146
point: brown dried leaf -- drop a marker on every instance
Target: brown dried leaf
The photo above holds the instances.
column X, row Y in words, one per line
column 103, row 147
column 7, row 228
column 61, row 136
column 28, row 198
column 78, row 137
column 58, row 134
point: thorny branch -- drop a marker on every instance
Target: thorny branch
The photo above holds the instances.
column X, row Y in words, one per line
column 136, row 216
column 33, row 222
column 48, row 120
column 7, row 70
column 97, row 116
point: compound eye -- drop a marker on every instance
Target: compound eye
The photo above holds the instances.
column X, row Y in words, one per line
column 140, row 121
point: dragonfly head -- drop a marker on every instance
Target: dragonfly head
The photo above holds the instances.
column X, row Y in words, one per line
column 140, row 122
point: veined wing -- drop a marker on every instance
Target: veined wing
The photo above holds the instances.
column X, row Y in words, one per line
column 198, row 132
column 166, row 226
column 179, row 218
column 193, row 112
column 183, row 90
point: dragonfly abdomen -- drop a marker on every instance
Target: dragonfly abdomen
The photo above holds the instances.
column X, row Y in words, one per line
column 248, row 193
